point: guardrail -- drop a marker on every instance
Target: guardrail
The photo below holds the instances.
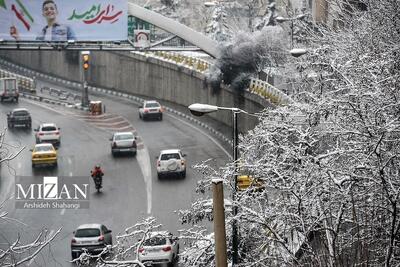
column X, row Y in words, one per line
column 62, row 94
column 269, row 92
column 24, row 83
column 177, row 58
column 258, row 87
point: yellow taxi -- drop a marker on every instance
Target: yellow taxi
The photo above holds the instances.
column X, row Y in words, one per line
column 44, row 154
column 245, row 181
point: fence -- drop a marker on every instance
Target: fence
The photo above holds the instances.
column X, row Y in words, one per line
column 61, row 94
column 24, row 83
column 269, row 92
column 258, row 87
column 188, row 61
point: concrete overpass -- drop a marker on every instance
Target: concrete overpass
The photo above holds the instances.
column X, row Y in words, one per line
column 141, row 74
column 200, row 41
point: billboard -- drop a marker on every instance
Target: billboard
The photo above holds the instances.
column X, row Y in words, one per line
column 61, row 20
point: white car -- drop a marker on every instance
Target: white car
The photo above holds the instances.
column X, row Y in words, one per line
column 159, row 248
column 92, row 237
column 171, row 162
column 48, row 133
column 151, row 109
column 123, row 142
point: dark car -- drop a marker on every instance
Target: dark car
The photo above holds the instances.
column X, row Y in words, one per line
column 19, row 117
column 91, row 237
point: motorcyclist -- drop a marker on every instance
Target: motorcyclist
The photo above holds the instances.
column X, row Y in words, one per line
column 97, row 173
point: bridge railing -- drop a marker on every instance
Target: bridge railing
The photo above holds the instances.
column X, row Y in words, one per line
column 187, row 61
column 268, row 91
column 24, row 83
column 259, row 87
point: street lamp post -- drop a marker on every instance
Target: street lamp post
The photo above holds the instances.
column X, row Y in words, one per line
column 235, row 238
column 199, row 110
column 291, row 19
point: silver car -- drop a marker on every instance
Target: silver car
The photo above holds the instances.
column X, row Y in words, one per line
column 151, row 109
column 159, row 248
column 92, row 237
column 123, row 142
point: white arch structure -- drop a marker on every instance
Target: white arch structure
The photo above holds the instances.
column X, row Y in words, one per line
column 200, row 40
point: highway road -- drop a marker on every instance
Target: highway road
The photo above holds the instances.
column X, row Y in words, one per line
column 131, row 189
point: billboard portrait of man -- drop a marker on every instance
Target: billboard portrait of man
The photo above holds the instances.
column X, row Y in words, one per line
column 60, row 21
column 52, row 31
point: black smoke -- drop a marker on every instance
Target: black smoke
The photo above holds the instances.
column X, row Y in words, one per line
column 246, row 56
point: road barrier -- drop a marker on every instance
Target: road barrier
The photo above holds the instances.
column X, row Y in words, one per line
column 177, row 58
column 269, row 92
column 24, row 83
column 259, row 87
column 76, row 85
column 62, row 94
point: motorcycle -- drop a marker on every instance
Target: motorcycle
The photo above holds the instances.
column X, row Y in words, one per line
column 97, row 181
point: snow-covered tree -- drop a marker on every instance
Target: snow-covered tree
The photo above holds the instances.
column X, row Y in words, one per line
column 126, row 250
column 169, row 8
column 168, row 3
column 7, row 151
column 269, row 18
column 18, row 252
column 218, row 29
column 330, row 161
column 252, row 8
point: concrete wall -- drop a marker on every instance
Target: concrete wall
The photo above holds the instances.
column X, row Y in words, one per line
column 141, row 75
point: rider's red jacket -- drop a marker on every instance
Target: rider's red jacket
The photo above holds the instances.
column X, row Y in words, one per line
column 97, row 172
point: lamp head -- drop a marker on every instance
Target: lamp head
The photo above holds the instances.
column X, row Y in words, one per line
column 280, row 19
column 209, row 4
column 297, row 52
column 201, row 109
column 196, row 113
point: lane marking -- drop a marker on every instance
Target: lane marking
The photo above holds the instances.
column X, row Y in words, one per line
column 62, row 212
column 204, row 133
column 142, row 155
column 44, row 106
column 143, row 159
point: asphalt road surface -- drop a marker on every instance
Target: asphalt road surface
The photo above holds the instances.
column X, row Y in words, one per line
column 131, row 189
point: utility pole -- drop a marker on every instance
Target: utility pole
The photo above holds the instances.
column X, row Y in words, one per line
column 85, row 69
column 198, row 109
column 235, row 237
column 219, row 223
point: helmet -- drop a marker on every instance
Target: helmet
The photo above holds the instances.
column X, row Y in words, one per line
column 97, row 166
